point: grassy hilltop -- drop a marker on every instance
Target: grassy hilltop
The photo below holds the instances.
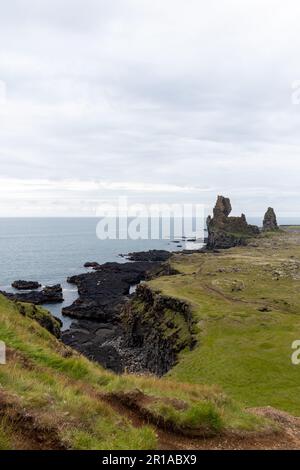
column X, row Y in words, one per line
column 246, row 305
column 52, row 397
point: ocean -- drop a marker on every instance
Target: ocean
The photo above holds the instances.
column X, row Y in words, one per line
column 49, row 250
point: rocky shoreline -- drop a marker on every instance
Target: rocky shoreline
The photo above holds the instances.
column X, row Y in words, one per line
column 99, row 332
column 140, row 332
column 47, row 295
column 26, row 285
column 118, row 321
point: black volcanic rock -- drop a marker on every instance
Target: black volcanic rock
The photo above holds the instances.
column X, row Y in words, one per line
column 97, row 341
column 105, row 329
column 225, row 231
column 92, row 264
column 146, row 318
column 222, row 208
column 151, row 255
column 270, row 221
column 53, row 294
column 97, row 333
column 26, row 285
column 101, row 291
column 48, row 295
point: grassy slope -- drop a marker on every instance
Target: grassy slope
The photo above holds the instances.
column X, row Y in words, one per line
column 51, row 397
column 245, row 351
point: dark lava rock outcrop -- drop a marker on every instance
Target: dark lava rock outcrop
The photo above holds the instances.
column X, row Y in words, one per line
column 102, row 291
column 97, row 341
column 108, row 329
column 48, row 295
column 92, row 264
column 26, row 285
column 155, row 329
column 225, row 231
column 151, row 255
column 102, row 295
column 270, row 221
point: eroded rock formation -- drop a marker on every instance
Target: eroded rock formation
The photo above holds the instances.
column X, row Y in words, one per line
column 155, row 329
column 26, row 285
column 151, row 255
column 102, row 294
column 270, row 221
column 225, row 231
column 140, row 332
column 48, row 295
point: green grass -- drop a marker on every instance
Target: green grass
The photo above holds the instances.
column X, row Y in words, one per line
column 169, row 323
column 243, row 350
column 5, row 438
column 203, row 412
column 246, row 307
column 60, row 387
column 41, row 315
column 66, row 395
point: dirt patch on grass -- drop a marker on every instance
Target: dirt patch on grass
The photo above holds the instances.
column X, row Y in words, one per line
column 31, row 432
column 290, row 424
column 286, row 437
column 143, row 407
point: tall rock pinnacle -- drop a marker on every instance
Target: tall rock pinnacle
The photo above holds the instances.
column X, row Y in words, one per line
column 270, row 221
column 225, row 231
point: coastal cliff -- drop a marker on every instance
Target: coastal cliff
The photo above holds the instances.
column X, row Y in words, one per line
column 52, row 398
column 139, row 332
column 225, row 231
column 218, row 326
column 155, row 329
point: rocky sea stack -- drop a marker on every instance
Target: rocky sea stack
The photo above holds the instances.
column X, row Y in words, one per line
column 225, row 231
column 48, row 295
column 270, row 221
column 26, row 285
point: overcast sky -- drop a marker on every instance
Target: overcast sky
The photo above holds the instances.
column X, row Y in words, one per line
column 168, row 100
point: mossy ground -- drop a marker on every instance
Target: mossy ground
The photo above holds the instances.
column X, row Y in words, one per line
column 63, row 396
column 247, row 307
column 169, row 324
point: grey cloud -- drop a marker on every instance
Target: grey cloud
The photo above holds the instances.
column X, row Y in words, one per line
column 138, row 91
